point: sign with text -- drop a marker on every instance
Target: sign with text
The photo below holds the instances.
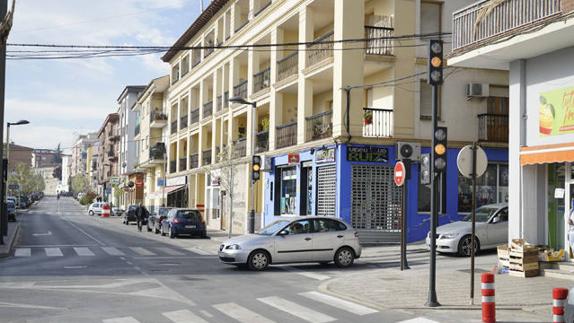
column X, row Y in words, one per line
column 114, row 180
column 325, row 156
column 556, row 112
column 367, row 154
column 176, row 181
column 293, row 158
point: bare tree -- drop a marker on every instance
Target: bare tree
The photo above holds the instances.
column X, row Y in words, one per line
column 226, row 170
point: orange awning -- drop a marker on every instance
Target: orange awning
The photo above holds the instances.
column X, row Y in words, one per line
column 547, row 154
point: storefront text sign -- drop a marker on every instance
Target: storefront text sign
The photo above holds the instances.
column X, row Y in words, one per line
column 367, row 154
column 293, row 158
column 325, row 156
column 556, row 112
column 175, row 181
column 161, row 182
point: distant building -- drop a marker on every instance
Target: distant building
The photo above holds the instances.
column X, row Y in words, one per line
column 42, row 158
column 19, row 155
column 80, row 153
column 92, row 155
column 64, row 185
column 107, row 162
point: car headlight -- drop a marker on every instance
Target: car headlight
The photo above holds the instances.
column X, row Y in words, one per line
column 233, row 247
column 449, row 235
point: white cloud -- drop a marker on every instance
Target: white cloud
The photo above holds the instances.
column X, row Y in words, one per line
column 35, row 137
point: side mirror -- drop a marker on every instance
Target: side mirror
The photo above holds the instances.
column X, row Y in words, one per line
column 496, row 219
column 283, row 233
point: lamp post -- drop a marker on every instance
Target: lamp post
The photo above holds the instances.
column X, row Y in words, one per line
column 240, row 100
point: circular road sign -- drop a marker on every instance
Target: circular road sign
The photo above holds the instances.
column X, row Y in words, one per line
column 464, row 161
column 400, row 173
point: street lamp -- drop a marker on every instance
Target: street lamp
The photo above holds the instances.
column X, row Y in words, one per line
column 240, row 100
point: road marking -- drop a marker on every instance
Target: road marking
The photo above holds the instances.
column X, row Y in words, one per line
column 53, row 252
column 142, row 252
column 113, row 251
column 419, row 320
column 295, row 309
column 183, row 316
column 82, row 231
column 170, row 251
column 206, row 313
column 241, row 314
column 127, row 319
column 201, row 251
column 83, row 251
column 42, row 234
column 75, row 267
column 305, row 273
column 339, row 303
column 23, row 252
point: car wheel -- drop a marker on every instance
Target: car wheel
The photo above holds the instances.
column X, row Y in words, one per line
column 172, row 234
column 258, row 260
column 464, row 246
column 344, row 257
column 91, row 213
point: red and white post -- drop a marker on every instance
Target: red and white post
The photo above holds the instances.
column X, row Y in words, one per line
column 488, row 304
column 559, row 296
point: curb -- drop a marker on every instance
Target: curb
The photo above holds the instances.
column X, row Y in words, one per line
column 11, row 243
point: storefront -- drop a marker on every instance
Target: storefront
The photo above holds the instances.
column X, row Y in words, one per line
column 177, row 191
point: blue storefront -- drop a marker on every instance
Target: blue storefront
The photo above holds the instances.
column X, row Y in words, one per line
column 355, row 183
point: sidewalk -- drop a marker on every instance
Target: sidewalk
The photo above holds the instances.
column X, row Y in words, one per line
column 392, row 289
column 10, row 239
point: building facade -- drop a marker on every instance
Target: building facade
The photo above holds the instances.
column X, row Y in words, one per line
column 327, row 115
column 80, row 154
column 535, row 45
column 92, row 167
column 107, row 162
column 19, row 155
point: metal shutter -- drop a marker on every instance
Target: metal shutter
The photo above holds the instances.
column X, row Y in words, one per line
column 326, row 190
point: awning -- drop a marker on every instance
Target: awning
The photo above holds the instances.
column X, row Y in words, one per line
column 547, row 154
column 171, row 189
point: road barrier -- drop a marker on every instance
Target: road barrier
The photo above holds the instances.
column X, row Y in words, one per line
column 559, row 296
column 106, row 211
column 488, row 304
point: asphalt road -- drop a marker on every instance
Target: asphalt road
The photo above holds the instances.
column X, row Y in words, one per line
column 71, row 267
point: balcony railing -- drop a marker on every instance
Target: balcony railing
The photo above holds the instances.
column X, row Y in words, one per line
column 286, row 135
column 240, row 148
column 173, row 127
column 262, row 142
column 157, row 116
column 206, row 158
column 157, row 152
column 208, row 109
column 193, row 161
column 209, row 50
column 182, row 164
column 261, row 80
column 319, row 126
column 318, row 52
column 219, row 103
column 472, row 26
column 240, row 90
column 287, row 66
column 172, row 166
column 377, row 123
column 194, row 116
column 378, row 40
column 226, row 99
column 493, row 127
column 183, row 122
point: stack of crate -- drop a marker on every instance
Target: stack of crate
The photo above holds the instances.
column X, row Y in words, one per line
column 523, row 259
column 503, row 256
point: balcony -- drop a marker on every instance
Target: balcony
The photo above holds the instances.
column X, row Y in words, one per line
column 286, row 135
column 261, row 80
column 195, row 60
column 319, row 126
column 287, row 66
column 114, row 135
column 183, row 122
column 240, row 148
column 472, row 27
column 208, row 51
column 208, row 109
column 378, row 40
column 377, row 123
column 112, row 155
column 206, row 159
column 263, row 7
column 262, row 142
column 157, row 120
column 493, row 128
column 172, row 166
column 226, row 99
column 173, row 127
column 193, row 161
column 219, row 103
column 194, row 115
column 318, row 52
column 137, row 130
column 182, row 164
column 240, row 90
column 241, row 25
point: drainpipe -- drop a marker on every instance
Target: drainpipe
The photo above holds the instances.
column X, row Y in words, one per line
column 348, row 117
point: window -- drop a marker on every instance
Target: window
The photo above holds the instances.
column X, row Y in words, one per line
column 185, row 65
column 328, row 225
column 431, row 14
column 424, row 201
column 299, row 227
column 491, row 188
column 175, row 73
column 425, row 99
column 288, row 190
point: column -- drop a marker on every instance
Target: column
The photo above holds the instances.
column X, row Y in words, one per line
column 305, row 87
column 276, row 98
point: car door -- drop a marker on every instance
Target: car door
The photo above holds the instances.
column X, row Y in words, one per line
column 294, row 243
column 166, row 223
column 328, row 236
column 497, row 228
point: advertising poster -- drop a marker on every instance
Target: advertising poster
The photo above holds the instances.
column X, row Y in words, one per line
column 556, row 112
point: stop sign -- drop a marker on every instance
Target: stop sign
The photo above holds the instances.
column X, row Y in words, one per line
column 400, row 173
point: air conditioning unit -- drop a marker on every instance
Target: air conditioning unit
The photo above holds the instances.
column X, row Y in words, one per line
column 408, row 151
column 266, row 164
column 477, row 90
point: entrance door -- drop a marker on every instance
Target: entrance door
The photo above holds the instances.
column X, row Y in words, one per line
column 558, row 203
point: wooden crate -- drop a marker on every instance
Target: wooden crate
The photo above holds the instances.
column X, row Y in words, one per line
column 503, row 255
column 524, row 274
column 524, row 267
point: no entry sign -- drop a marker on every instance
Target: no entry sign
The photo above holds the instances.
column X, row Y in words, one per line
column 400, row 173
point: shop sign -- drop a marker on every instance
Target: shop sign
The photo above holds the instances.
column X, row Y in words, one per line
column 176, row 181
column 325, row 156
column 367, row 154
column 115, row 180
column 293, row 158
column 556, row 112
column 161, row 182
column 139, row 182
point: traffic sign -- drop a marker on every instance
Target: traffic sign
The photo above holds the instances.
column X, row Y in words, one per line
column 400, row 173
column 464, row 161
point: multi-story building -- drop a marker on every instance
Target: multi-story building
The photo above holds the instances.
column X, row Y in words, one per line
column 42, row 158
column 128, row 146
column 151, row 139
column 328, row 112
column 92, row 158
column 108, row 166
column 533, row 41
column 79, row 153
column 64, row 185
column 19, row 155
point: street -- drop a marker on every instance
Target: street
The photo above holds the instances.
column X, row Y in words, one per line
column 71, row 267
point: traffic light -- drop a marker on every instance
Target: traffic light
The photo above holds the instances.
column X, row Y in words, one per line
column 256, row 168
column 425, row 169
column 440, row 139
column 435, row 76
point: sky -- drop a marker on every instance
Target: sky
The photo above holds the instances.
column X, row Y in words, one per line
column 64, row 98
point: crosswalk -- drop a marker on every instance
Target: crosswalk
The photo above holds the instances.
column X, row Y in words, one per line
column 94, row 251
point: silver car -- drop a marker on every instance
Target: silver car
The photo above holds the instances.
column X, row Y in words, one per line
column 291, row 240
column 491, row 231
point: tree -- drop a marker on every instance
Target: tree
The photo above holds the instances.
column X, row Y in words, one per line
column 57, row 173
column 226, row 171
column 57, row 159
column 80, row 183
column 27, row 181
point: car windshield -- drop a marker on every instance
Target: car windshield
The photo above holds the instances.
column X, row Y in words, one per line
column 163, row 211
column 483, row 213
column 188, row 214
column 272, row 228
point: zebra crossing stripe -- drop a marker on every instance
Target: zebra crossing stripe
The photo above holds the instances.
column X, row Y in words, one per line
column 23, row 252
column 112, row 251
column 295, row 309
column 419, row 320
column 183, row 316
column 170, row 251
column 142, row 251
column 201, row 252
column 53, row 252
column 339, row 303
column 241, row 314
column 84, row 252
column 127, row 319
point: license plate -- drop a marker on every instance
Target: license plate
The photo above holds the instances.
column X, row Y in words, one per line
column 190, row 226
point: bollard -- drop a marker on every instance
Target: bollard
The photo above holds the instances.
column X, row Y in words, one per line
column 488, row 305
column 559, row 296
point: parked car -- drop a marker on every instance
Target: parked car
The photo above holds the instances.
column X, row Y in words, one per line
column 95, row 208
column 11, row 208
column 183, row 221
column 491, row 231
column 293, row 240
column 117, row 211
column 25, row 202
column 130, row 214
column 155, row 219
column 14, row 200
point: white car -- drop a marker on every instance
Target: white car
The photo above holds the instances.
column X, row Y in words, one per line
column 491, row 231
column 292, row 240
column 95, row 208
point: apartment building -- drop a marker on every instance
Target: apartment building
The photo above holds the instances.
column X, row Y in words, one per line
column 151, row 138
column 326, row 115
column 108, row 161
column 92, row 158
column 533, row 42
column 79, row 153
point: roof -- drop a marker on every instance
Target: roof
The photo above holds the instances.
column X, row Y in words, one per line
column 130, row 88
column 160, row 84
column 112, row 117
column 195, row 27
column 18, row 147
